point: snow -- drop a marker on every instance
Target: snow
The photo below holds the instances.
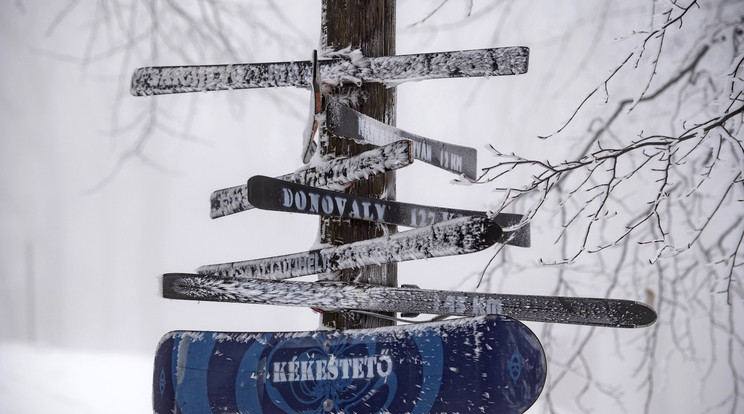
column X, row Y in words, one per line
column 452, row 237
column 35, row 379
column 335, row 174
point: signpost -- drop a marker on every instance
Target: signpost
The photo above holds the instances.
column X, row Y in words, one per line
column 476, row 364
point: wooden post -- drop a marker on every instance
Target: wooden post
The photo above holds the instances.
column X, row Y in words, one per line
column 370, row 27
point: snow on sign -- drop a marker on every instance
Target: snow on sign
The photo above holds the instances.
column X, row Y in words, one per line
column 346, row 122
column 487, row 364
column 335, row 173
column 278, row 195
column 333, row 296
column 390, row 70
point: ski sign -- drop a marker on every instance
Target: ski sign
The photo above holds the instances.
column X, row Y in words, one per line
column 452, row 237
column 390, row 70
column 333, row 296
column 336, row 173
column 273, row 194
column 488, row 364
column 346, row 122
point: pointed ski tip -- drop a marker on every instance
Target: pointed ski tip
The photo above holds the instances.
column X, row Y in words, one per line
column 492, row 231
column 167, row 287
column 176, row 285
column 646, row 315
column 636, row 315
column 133, row 89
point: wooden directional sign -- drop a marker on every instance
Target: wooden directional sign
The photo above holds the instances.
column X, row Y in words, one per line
column 390, row 70
column 346, row 122
column 458, row 236
column 327, row 295
column 487, row 364
column 274, row 194
column 336, row 173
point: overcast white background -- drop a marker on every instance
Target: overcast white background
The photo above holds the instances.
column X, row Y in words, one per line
column 80, row 312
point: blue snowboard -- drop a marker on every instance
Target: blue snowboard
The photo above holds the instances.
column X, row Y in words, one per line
column 490, row 364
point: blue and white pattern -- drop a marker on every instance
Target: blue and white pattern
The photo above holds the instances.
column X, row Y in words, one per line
column 472, row 364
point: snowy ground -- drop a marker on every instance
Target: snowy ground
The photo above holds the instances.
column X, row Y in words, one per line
column 51, row 380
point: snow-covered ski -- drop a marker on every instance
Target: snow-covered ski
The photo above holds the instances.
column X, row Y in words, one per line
column 338, row 173
column 308, row 144
column 617, row 313
column 452, row 237
column 273, row 194
column 346, row 122
column 390, row 70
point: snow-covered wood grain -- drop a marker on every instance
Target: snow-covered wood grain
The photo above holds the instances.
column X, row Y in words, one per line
column 457, row 236
column 278, row 195
column 390, row 70
column 353, row 296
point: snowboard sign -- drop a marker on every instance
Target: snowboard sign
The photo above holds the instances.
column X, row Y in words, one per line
column 487, row 364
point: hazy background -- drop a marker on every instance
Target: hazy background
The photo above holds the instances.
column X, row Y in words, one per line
column 86, row 230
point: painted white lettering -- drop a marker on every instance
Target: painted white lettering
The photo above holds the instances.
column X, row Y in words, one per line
column 300, row 200
column 427, row 153
column 341, row 204
column 332, row 369
column 314, row 198
column 479, row 307
column 355, row 210
column 327, row 205
column 365, row 209
column 388, row 365
column 356, row 368
column 306, row 371
column 422, row 151
column 345, row 368
column 279, row 374
column 456, row 162
column 380, row 208
column 320, row 369
column 493, row 307
column 287, row 200
column 293, row 369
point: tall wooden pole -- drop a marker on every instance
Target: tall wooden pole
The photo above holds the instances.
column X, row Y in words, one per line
column 370, row 27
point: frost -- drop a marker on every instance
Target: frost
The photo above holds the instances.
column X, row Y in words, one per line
column 348, row 66
column 339, row 295
column 334, row 174
column 452, row 237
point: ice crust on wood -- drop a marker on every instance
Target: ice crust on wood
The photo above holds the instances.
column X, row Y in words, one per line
column 390, row 70
column 273, row 194
column 458, row 236
column 351, row 296
column 334, row 174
